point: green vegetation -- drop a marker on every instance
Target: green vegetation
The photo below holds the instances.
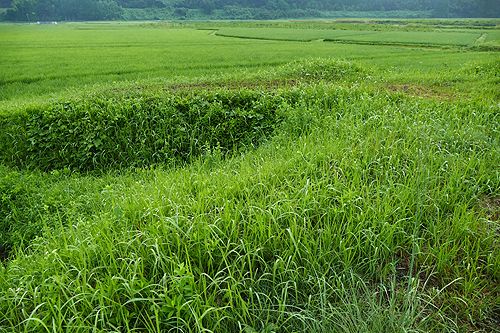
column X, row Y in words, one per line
column 374, row 37
column 164, row 177
column 70, row 10
column 107, row 132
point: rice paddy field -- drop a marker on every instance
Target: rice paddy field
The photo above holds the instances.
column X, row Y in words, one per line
column 272, row 176
column 425, row 38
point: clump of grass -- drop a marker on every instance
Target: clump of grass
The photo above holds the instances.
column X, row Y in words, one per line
column 321, row 69
column 33, row 203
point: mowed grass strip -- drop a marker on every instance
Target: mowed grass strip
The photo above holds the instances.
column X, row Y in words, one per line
column 492, row 38
column 418, row 37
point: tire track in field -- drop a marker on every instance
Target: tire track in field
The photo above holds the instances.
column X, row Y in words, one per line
column 480, row 40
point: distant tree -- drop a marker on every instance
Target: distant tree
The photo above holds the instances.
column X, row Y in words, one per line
column 441, row 8
column 56, row 10
column 33, row 10
column 180, row 13
column 22, row 10
column 489, row 8
column 141, row 3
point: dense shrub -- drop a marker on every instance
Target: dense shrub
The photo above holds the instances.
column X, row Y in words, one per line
column 109, row 132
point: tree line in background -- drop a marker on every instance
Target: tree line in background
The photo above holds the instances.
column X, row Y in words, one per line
column 76, row 10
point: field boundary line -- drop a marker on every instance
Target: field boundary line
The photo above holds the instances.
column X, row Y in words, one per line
column 350, row 41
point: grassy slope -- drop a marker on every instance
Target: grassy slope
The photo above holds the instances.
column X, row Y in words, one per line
column 371, row 208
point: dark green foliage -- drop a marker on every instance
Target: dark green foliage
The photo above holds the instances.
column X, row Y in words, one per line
column 282, row 8
column 49, row 10
column 141, row 3
column 63, row 10
column 33, row 202
column 15, row 192
column 106, row 132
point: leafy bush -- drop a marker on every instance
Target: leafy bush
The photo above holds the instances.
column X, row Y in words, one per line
column 109, row 132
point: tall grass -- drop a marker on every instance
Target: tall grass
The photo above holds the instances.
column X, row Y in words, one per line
column 361, row 213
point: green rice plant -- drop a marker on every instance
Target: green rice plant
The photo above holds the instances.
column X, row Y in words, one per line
column 82, row 56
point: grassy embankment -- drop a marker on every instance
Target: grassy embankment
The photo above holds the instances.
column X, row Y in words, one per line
column 229, row 192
